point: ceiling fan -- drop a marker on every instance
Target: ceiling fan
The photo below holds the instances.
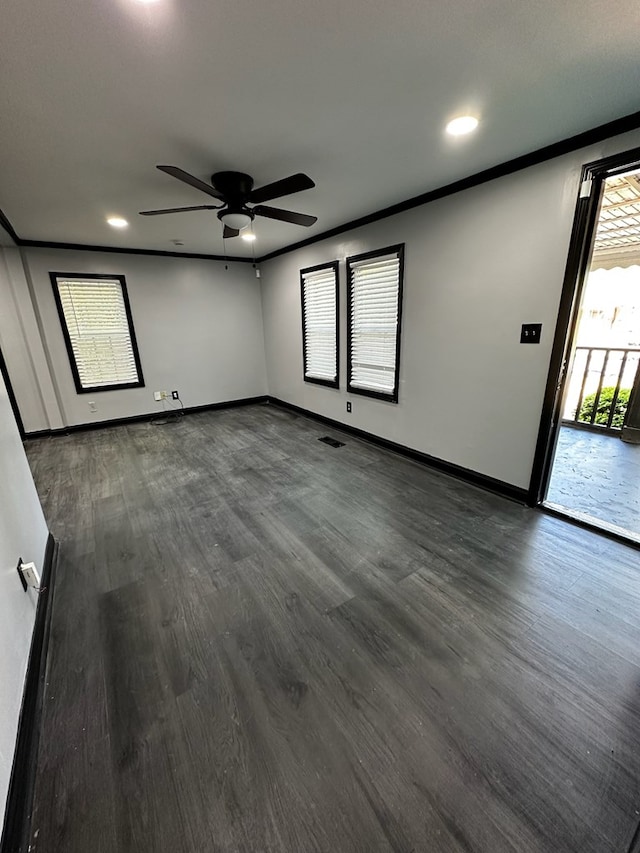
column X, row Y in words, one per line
column 235, row 190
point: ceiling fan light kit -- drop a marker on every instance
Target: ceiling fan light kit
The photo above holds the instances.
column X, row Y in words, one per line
column 237, row 220
column 235, row 191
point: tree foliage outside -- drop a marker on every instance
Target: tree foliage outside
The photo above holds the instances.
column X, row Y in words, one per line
column 604, row 407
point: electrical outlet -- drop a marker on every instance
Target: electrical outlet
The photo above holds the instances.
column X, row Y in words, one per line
column 92, row 407
column 348, row 405
column 23, row 580
column 29, row 574
column 164, row 394
column 157, row 396
column 175, row 395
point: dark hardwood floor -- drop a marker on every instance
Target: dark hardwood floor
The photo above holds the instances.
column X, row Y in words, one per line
column 262, row 643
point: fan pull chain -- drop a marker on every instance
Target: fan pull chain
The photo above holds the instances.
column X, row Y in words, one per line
column 224, row 251
column 253, row 251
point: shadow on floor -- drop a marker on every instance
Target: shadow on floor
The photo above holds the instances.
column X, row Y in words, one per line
column 599, row 475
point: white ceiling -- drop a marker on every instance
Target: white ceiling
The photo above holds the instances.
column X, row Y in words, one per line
column 94, row 93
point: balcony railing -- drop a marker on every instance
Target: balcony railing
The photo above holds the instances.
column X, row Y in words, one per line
column 600, row 382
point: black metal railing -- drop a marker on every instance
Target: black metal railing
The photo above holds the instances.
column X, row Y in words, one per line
column 599, row 386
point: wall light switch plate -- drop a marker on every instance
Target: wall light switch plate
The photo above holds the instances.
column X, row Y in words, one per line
column 531, row 333
column 92, row 407
column 157, row 396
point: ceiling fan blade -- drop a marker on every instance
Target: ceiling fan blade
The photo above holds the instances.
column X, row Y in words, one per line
column 179, row 209
column 286, row 186
column 285, row 215
column 229, row 232
column 186, row 178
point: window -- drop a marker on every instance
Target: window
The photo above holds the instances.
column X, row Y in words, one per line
column 319, row 293
column 98, row 331
column 374, row 313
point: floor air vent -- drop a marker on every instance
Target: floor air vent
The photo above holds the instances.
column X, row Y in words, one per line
column 332, row 441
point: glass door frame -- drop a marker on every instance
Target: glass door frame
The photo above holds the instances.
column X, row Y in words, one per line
column 585, row 222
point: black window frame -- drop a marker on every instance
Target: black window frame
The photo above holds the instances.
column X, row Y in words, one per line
column 327, row 383
column 369, row 256
column 94, row 389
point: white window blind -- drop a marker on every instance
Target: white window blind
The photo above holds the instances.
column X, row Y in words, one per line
column 374, row 303
column 319, row 324
column 97, row 324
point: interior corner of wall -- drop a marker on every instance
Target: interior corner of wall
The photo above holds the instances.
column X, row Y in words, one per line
column 28, row 317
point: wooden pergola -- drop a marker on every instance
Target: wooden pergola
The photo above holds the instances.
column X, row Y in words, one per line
column 617, row 242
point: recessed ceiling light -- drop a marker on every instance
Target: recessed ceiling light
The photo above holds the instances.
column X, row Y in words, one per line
column 461, row 125
column 117, row 222
column 249, row 236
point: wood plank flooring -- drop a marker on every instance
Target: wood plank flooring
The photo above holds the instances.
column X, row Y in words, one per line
column 263, row 644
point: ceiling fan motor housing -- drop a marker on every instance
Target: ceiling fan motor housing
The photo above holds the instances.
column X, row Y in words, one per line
column 236, row 188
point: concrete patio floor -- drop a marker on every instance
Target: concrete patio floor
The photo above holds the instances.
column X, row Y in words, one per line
column 597, row 475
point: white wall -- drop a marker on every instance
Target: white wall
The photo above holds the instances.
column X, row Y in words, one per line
column 23, row 533
column 21, row 344
column 478, row 264
column 198, row 328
